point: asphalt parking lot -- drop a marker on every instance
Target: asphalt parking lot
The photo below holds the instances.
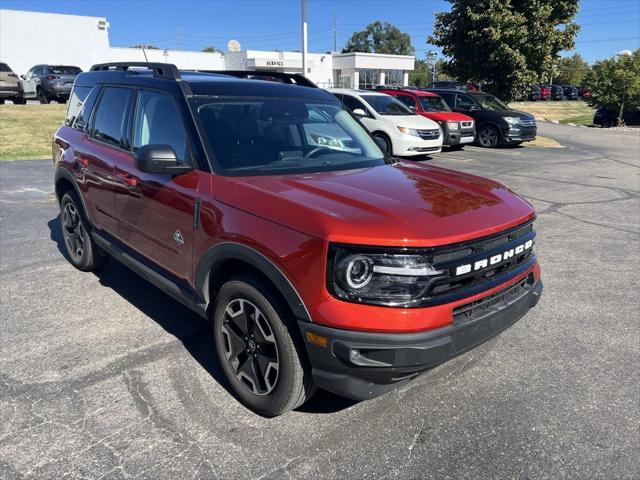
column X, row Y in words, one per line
column 103, row 376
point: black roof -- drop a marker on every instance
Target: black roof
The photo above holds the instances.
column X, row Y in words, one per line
column 200, row 83
column 457, row 90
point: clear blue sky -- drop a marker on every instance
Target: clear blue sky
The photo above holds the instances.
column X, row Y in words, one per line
column 608, row 26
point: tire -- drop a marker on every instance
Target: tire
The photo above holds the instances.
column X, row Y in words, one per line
column 1, row 101
column 62, row 101
column 253, row 333
column 19, row 101
column 488, row 136
column 82, row 251
column 42, row 97
column 386, row 140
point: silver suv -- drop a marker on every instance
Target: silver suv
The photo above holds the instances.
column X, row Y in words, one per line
column 49, row 82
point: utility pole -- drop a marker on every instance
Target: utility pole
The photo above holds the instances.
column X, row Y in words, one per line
column 177, row 39
column 303, row 15
column 334, row 32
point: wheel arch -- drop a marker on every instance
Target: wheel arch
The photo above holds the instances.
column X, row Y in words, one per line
column 229, row 259
column 65, row 182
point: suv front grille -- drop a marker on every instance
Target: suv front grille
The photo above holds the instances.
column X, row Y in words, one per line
column 479, row 308
column 456, row 282
column 429, row 134
column 527, row 123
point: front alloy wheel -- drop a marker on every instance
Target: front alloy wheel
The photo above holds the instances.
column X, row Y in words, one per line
column 488, row 136
column 73, row 231
column 250, row 347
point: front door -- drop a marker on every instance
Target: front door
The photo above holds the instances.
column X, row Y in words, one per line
column 28, row 84
column 156, row 211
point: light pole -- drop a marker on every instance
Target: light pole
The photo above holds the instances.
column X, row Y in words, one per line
column 431, row 62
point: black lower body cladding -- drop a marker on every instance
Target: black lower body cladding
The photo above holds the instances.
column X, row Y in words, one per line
column 362, row 365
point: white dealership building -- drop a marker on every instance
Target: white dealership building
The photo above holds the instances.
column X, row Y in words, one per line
column 32, row 38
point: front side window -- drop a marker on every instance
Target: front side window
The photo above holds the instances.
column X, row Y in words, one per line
column 408, row 100
column 258, row 136
column 491, row 103
column 352, row 103
column 434, row 104
column 465, row 103
column 158, row 122
column 386, row 105
column 109, row 119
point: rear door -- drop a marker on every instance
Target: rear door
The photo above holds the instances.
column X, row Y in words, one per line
column 156, row 211
column 101, row 148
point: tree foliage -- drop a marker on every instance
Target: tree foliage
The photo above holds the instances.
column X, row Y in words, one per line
column 423, row 73
column 508, row 45
column 212, row 49
column 380, row 37
column 146, row 47
column 571, row 70
column 615, row 82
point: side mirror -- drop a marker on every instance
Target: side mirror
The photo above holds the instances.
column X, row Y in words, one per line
column 23, row 77
column 159, row 159
column 359, row 112
column 412, row 108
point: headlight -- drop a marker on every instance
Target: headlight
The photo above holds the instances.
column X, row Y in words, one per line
column 453, row 125
column 408, row 131
column 325, row 140
column 512, row 120
column 379, row 278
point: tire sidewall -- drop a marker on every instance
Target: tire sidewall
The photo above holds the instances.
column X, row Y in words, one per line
column 277, row 400
column 489, row 127
column 383, row 137
column 84, row 262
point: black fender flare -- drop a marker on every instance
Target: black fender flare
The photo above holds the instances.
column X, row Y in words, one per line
column 62, row 173
column 237, row 251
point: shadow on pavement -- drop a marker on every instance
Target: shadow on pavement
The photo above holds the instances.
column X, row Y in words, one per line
column 193, row 331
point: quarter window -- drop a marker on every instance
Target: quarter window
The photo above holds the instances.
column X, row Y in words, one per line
column 109, row 122
column 158, row 122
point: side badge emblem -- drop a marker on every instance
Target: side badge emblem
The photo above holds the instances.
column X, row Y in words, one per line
column 178, row 238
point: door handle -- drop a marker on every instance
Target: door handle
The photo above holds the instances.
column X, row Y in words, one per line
column 129, row 180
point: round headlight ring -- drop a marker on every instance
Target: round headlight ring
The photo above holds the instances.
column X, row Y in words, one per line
column 359, row 272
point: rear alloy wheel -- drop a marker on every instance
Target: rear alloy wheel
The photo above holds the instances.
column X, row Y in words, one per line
column 84, row 254
column 259, row 356
column 488, row 136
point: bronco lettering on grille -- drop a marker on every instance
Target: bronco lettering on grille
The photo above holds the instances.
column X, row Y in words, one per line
column 494, row 259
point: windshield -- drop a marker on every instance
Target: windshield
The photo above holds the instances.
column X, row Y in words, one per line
column 490, row 102
column 386, row 105
column 434, row 104
column 258, row 136
column 64, row 70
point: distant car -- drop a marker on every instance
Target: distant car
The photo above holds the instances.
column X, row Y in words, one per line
column 49, row 82
column 607, row 116
column 570, row 92
column 398, row 129
column 535, row 94
column 473, row 87
column 545, row 92
column 557, row 92
column 9, row 85
column 449, row 84
column 458, row 129
column 496, row 123
column 585, row 92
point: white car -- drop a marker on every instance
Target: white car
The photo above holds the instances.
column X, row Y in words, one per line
column 403, row 132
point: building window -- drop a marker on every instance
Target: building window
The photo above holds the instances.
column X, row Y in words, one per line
column 369, row 78
column 394, row 77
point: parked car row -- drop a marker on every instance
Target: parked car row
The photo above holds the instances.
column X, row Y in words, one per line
column 412, row 121
column 558, row 92
column 42, row 82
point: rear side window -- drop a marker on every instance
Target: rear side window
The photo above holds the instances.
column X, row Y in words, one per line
column 109, row 119
column 465, row 103
column 158, row 122
column 450, row 98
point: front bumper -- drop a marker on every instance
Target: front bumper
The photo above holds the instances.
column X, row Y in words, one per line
column 520, row 134
column 463, row 137
column 363, row 365
column 408, row 145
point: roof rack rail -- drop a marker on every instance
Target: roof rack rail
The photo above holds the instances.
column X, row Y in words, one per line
column 290, row 78
column 160, row 70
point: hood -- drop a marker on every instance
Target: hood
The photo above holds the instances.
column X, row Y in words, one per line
column 447, row 116
column 516, row 113
column 410, row 121
column 391, row 205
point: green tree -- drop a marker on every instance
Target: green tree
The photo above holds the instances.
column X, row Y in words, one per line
column 571, row 70
column 508, row 45
column 423, row 73
column 615, row 82
column 380, row 37
column 212, row 49
column 146, row 47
